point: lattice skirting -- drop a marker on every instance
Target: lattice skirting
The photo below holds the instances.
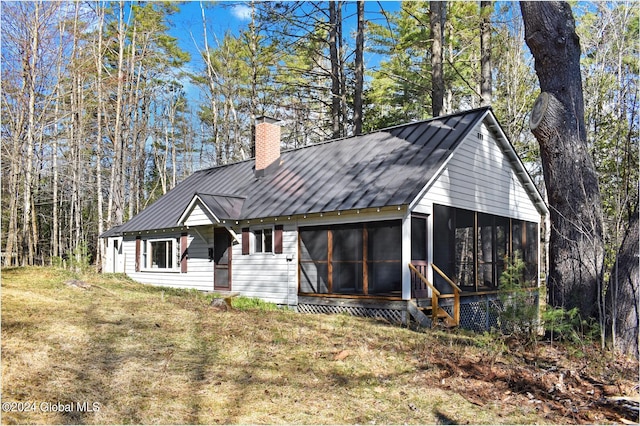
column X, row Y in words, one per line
column 482, row 313
column 477, row 313
column 394, row 316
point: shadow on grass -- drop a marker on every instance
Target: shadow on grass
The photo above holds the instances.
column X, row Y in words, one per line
column 443, row 419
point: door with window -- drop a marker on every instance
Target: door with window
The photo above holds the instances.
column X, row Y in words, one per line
column 221, row 259
column 419, row 241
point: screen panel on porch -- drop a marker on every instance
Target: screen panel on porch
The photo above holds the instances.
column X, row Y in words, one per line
column 358, row 259
column 472, row 248
column 314, row 264
column 384, row 257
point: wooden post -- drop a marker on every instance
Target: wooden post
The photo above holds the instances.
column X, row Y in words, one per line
column 456, row 306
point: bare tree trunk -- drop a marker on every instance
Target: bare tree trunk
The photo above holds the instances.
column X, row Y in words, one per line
column 485, row 52
column 623, row 296
column 101, row 249
column 343, row 77
column 76, row 139
column 55, row 225
column 436, row 21
column 336, row 97
column 173, row 112
column 253, row 98
column 557, row 121
column 211, row 81
column 31, row 63
column 130, row 129
column 115, row 200
column 357, row 95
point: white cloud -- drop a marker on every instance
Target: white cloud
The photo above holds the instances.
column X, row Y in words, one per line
column 242, row 12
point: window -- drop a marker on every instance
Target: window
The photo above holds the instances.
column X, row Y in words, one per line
column 418, row 238
column 351, row 259
column 161, row 254
column 263, row 240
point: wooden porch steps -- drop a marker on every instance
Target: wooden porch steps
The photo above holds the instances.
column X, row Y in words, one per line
column 439, row 316
column 425, row 318
column 443, row 316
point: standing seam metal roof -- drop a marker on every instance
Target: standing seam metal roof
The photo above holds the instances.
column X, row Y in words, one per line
column 387, row 167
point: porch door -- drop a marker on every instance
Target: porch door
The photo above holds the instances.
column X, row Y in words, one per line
column 221, row 259
column 419, row 259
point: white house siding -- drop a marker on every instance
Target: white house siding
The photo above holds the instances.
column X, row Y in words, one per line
column 270, row 277
column 199, row 216
column 480, row 177
column 199, row 273
column 114, row 258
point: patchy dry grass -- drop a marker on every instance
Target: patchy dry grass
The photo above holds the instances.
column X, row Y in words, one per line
column 158, row 356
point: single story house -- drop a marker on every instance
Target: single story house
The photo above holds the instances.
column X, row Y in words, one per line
column 421, row 217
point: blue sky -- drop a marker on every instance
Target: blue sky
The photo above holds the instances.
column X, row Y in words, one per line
column 223, row 16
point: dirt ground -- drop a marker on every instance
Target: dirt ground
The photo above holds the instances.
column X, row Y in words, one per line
column 582, row 388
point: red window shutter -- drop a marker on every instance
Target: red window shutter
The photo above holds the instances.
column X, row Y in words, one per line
column 245, row 240
column 184, row 252
column 138, row 244
column 277, row 240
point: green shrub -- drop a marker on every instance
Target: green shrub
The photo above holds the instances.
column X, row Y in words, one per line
column 569, row 326
column 519, row 312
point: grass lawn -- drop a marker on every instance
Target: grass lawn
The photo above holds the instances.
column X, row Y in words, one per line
column 107, row 350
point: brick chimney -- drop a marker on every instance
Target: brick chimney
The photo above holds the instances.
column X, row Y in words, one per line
column 267, row 145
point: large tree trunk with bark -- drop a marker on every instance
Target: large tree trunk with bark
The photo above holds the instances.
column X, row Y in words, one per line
column 623, row 295
column 576, row 245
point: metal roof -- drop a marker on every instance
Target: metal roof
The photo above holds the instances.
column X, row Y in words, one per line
column 387, row 167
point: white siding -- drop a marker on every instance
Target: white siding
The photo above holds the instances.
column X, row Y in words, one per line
column 114, row 258
column 270, row 277
column 199, row 273
column 480, row 177
column 199, row 216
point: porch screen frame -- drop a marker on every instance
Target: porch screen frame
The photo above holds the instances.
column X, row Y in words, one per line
column 342, row 259
column 453, row 255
